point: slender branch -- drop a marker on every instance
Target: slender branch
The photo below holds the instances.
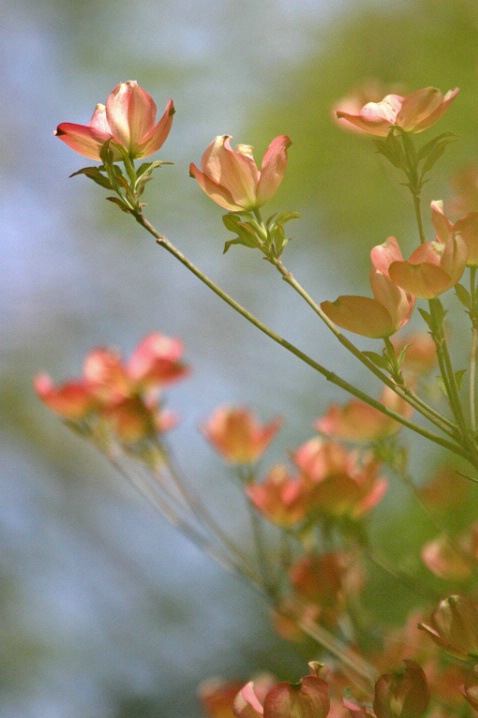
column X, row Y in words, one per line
column 403, row 392
column 329, row 375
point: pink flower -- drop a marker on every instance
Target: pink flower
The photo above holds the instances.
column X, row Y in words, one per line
column 117, row 396
column 414, row 113
column 466, row 228
column 237, row 436
column 128, row 119
column 283, row 500
column 338, row 485
column 387, row 312
column 433, row 268
column 231, row 177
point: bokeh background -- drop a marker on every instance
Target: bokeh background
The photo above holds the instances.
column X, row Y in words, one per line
column 105, row 610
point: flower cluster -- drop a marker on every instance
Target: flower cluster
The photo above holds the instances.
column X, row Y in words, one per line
column 309, row 515
column 118, row 400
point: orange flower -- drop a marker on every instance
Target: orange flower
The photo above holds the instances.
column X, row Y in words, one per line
column 231, row 177
column 357, row 421
column 282, row 499
column 433, row 268
column 338, row 485
column 391, row 307
column 128, row 119
column 414, row 113
column 121, row 396
column 237, row 436
column 466, row 228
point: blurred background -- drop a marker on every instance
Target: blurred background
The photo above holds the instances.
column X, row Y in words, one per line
column 105, row 610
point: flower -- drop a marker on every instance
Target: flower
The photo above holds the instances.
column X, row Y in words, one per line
column 307, row 699
column 402, row 695
column 128, row 119
column 454, row 626
column 466, row 228
column 338, row 485
column 119, row 396
column 414, row 113
column 387, row 312
column 237, row 435
column 433, row 268
column 282, row 499
column 357, row 421
column 231, row 177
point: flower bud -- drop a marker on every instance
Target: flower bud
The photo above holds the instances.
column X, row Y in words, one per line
column 402, row 695
column 454, row 627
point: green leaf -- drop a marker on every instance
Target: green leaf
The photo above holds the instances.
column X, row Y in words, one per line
column 463, row 295
column 459, row 377
column 122, row 205
column 94, row 173
column 284, row 217
column 429, row 146
column 379, row 360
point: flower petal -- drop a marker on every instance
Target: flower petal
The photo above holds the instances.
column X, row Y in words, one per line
column 360, row 315
column 273, row 168
column 220, row 195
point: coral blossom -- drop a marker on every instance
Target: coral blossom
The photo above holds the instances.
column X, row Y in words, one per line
column 237, row 435
column 128, row 119
column 414, row 113
column 122, row 395
column 231, row 177
column 387, row 312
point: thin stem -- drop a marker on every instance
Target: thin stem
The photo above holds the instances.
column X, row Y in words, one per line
column 473, row 350
column 329, row 375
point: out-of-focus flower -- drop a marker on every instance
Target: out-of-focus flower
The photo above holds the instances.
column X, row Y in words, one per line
column 433, row 268
column 357, row 421
column 465, row 188
column 217, row 695
column 447, row 491
column 121, row 397
column 450, row 563
column 338, row 484
column 237, row 435
column 372, row 90
column 128, row 119
column 283, row 500
column 402, row 695
column 231, row 177
column 309, row 698
column 470, row 688
column 454, row 627
column 72, row 400
column 382, row 316
column 414, row 113
column 466, row 228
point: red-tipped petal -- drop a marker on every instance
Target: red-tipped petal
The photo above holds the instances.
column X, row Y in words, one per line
column 85, row 140
column 155, row 139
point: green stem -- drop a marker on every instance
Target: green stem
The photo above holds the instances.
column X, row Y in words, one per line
column 329, row 375
column 473, row 350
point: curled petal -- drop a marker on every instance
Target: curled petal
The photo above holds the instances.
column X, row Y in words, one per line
column 384, row 254
column 220, row 195
column 360, row 315
column 85, row 140
column 154, row 140
column 235, row 171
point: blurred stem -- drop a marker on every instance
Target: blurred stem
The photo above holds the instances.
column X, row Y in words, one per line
column 329, row 375
column 473, row 350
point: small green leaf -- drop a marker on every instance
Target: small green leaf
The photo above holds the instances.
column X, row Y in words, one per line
column 122, row 205
column 463, row 295
column 379, row 360
column 459, row 377
column 94, row 173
